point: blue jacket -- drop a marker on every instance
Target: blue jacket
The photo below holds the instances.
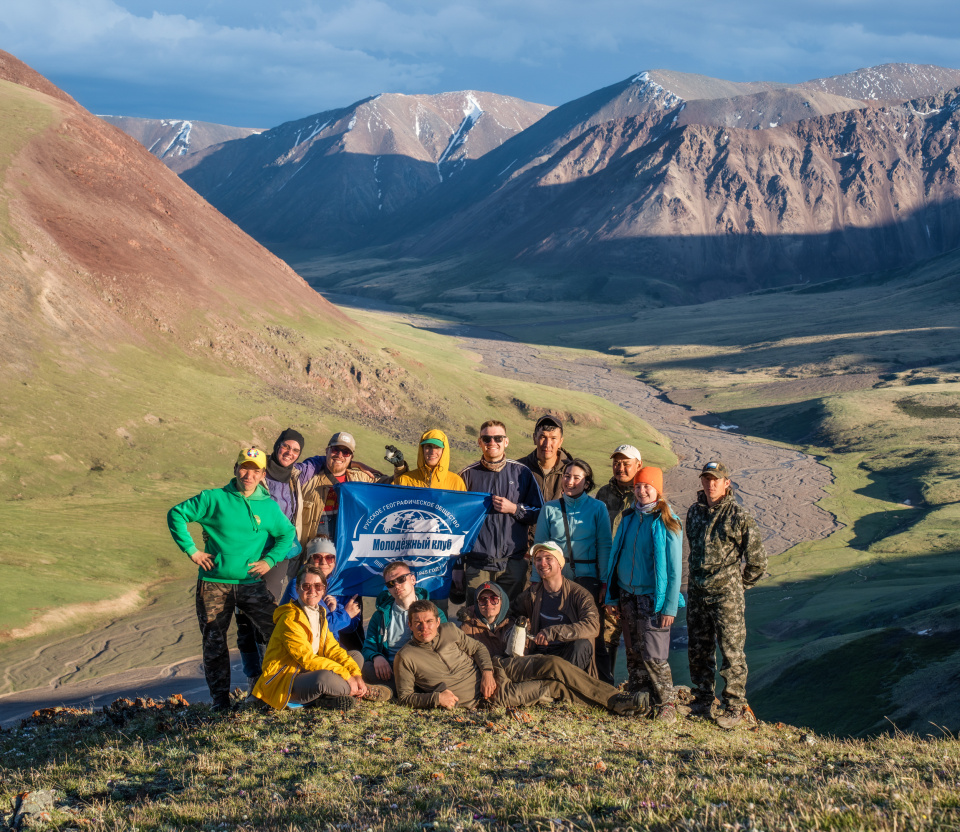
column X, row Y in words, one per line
column 338, row 621
column 375, row 643
column 503, row 536
column 590, row 537
column 664, row 564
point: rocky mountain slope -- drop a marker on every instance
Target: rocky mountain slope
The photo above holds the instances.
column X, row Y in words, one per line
column 663, row 187
column 169, row 138
column 331, row 178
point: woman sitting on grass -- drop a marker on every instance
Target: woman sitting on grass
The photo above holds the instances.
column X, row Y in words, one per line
column 303, row 663
column 643, row 587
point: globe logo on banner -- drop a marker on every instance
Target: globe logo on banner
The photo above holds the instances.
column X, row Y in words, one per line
column 424, row 527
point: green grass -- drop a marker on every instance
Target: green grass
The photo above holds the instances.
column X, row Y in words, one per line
column 97, row 447
column 23, row 114
column 392, row 768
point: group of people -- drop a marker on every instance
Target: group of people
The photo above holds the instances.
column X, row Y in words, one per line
column 553, row 579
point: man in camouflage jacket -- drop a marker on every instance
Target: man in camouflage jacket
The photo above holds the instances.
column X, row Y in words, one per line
column 726, row 557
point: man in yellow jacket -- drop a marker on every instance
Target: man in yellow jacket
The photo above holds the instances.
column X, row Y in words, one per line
column 433, row 465
column 303, row 663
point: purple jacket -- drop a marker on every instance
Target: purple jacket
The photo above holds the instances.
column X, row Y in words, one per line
column 283, row 493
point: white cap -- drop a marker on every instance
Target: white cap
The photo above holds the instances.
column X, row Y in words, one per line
column 628, row 451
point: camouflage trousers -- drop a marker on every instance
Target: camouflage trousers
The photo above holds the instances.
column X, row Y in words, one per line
column 717, row 621
column 648, row 648
column 216, row 604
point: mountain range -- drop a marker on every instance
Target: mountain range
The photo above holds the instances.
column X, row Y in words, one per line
column 662, row 188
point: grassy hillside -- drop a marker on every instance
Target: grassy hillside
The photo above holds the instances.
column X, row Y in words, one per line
column 94, row 455
column 864, row 625
column 386, row 768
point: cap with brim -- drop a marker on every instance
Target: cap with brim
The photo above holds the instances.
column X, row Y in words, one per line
column 628, row 451
column 321, row 546
column 437, row 443
column 550, row 548
column 343, row 440
column 549, row 422
column 717, row 470
column 254, row 455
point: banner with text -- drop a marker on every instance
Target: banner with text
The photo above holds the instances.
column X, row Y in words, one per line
column 426, row 527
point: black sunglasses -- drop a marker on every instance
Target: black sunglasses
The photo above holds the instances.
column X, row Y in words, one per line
column 488, row 439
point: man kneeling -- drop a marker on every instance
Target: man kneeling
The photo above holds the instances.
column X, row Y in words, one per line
column 303, row 663
column 442, row 667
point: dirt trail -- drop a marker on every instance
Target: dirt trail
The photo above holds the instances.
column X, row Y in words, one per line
column 778, row 486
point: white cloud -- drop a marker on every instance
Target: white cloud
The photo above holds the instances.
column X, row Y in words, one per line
column 295, row 57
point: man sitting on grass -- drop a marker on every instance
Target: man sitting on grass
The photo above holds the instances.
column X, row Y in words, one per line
column 442, row 667
column 303, row 662
column 491, row 625
column 389, row 627
column 564, row 620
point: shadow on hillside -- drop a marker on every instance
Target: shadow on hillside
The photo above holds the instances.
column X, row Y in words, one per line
column 854, row 649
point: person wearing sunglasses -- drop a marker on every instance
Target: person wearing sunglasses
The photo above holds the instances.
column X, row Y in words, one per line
column 389, row 628
column 501, row 545
column 303, row 663
column 321, row 497
column 344, row 612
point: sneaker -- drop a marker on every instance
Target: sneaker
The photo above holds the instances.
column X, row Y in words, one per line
column 334, row 703
column 667, row 714
column 736, row 715
column 624, row 704
column 378, row 693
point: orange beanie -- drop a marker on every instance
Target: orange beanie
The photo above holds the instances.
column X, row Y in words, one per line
column 651, row 476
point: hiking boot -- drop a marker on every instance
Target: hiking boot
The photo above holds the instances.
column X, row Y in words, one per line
column 221, row 707
column 736, row 715
column 667, row 714
column 378, row 693
column 703, row 707
column 623, row 704
column 334, row 703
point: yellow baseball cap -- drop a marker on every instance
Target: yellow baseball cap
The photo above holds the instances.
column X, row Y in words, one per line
column 254, row 455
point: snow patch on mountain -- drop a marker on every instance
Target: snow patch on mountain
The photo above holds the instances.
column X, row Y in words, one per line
column 179, row 144
column 471, row 115
column 653, row 91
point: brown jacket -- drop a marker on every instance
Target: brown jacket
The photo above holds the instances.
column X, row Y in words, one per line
column 452, row 661
column 551, row 485
column 494, row 640
column 575, row 602
column 315, row 495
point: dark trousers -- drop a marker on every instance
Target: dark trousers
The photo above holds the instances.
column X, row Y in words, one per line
column 649, row 648
column 216, row 604
column 512, row 580
column 249, row 641
column 579, row 653
column 601, row 653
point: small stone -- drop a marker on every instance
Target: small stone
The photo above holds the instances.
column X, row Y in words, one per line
column 808, row 739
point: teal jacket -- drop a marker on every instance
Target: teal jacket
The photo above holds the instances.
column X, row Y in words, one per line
column 239, row 531
column 375, row 643
column 657, row 569
column 589, row 524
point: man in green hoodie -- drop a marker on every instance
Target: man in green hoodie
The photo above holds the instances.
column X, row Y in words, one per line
column 245, row 534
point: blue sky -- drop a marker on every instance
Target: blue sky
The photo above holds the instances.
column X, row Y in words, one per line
column 258, row 64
